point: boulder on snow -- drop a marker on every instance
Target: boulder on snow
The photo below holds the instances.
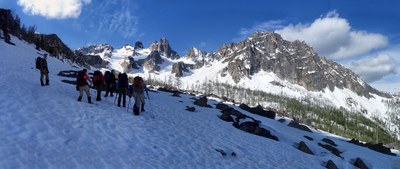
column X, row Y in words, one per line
column 226, row 117
column 259, row 110
column 332, row 149
column 191, row 109
column 297, row 125
column 265, row 133
column 202, row 102
column 249, row 126
column 308, row 138
column 221, row 106
column 176, row 94
column 329, row 141
column 380, row 148
column 304, row 148
column 360, row 164
column 331, row 165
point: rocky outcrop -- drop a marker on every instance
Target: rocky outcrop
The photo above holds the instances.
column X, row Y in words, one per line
column 299, row 126
column 200, row 58
column 304, row 148
column 102, row 50
column 179, row 68
column 151, row 62
column 164, row 48
column 295, row 62
column 138, row 45
column 259, row 110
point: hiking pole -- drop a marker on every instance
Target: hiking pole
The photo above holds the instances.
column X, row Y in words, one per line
column 151, row 107
column 129, row 102
column 115, row 98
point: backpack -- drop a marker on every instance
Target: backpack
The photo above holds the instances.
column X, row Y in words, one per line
column 107, row 76
column 138, row 85
column 38, row 61
column 97, row 78
column 80, row 79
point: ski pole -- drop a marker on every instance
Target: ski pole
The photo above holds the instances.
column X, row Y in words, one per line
column 129, row 102
column 115, row 98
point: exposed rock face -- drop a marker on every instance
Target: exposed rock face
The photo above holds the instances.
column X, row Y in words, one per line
column 152, row 61
column 304, row 148
column 102, row 50
column 138, row 45
column 179, row 68
column 200, row 58
column 293, row 61
column 164, row 49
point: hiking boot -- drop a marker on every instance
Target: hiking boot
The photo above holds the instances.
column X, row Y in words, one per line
column 89, row 100
column 142, row 107
column 135, row 110
column 41, row 82
column 47, row 82
column 79, row 98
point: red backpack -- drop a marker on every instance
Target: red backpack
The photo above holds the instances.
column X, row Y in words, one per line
column 138, row 82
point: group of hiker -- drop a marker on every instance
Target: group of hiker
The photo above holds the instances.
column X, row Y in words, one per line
column 120, row 86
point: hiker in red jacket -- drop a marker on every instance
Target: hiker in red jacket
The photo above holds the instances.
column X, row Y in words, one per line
column 82, row 80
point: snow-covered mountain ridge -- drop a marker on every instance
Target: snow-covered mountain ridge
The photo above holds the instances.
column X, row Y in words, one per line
column 45, row 127
column 264, row 62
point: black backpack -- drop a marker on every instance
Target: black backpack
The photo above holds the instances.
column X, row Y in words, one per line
column 38, row 60
column 80, row 79
column 97, row 78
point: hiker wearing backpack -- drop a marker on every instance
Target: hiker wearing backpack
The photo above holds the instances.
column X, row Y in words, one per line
column 44, row 70
column 82, row 84
column 98, row 82
column 138, row 88
column 110, row 82
column 122, row 88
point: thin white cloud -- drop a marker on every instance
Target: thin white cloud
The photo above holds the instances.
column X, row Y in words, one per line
column 53, row 9
column 115, row 17
column 374, row 69
column 333, row 36
column 264, row 26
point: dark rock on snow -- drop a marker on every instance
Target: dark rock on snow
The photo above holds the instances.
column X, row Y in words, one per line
column 304, row 148
column 191, row 109
column 332, row 149
column 331, row 165
column 329, row 141
column 299, row 126
column 308, row 138
column 360, row 164
column 202, row 102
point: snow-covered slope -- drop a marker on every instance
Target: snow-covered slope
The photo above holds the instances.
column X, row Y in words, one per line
column 45, row 127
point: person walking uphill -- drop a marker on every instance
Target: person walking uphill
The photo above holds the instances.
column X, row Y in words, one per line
column 110, row 83
column 82, row 84
column 44, row 70
column 138, row 93
column 122, row 88
column 98, row 82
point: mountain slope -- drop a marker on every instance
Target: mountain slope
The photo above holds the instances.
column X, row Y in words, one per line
column 45, row 127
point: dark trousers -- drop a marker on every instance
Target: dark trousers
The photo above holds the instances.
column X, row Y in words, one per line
column 109, row 89
column 122, row 93
column 99, row 88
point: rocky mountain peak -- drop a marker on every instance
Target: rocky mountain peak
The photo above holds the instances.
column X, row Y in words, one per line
column 292, row 61
column 102, row 50
column 164, row 48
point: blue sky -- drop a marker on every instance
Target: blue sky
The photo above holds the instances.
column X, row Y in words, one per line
column 363, row 35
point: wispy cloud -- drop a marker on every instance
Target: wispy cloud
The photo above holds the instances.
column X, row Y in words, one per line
column 264, row 26
column 110, row 17
column 374, row 69
column 53, row 9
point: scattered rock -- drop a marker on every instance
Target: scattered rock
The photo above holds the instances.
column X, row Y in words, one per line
column 331, row 165
column 221, row 151
column 226, row 117
column 304, row 148
column 376, row 147
column 299, row 126
column 265, row 133
column 333, row 150
column 282, row 120
column 360, row 164
column 233, row 154
column 308, row 138
column 233, row 112
column 329, row 141
column 249, row 126
column 259, row 110
column 221, row 106
column 380, row 148
column 191, row 109
column 176, row 94
column 202, row 102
